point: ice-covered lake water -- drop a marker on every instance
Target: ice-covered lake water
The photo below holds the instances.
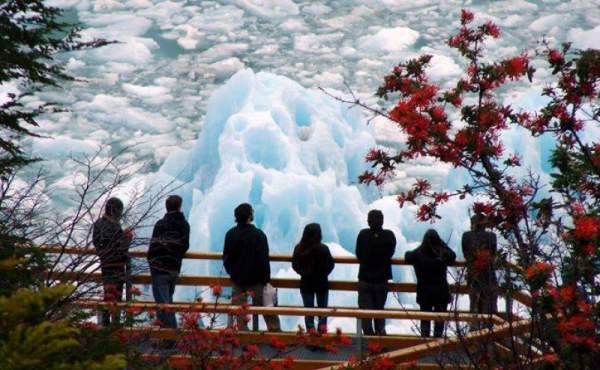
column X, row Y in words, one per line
column 271, row 138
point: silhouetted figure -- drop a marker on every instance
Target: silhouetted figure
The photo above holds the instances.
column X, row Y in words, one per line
column 246, row 260
column 430, row 261
column 112, row 247
column 479, row 248
column 170, row 240
column 375, row 247
column 313, row 262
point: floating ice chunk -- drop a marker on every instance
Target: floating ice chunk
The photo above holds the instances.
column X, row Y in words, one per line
column 145, row 91
column 62, row 146
column 585, row 39
column 74, row 64
column 222, row 51
column 268, row 8
column 443, row 67
column 117, row 111
column 389, row 40
column 225, row 68
column 544, row 23
column 293, row 25
column 118, row 26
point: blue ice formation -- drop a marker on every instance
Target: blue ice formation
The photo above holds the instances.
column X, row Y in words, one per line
column 293, row 153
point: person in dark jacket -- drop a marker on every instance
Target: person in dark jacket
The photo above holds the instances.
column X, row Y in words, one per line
column 430, row 261
column 313, row 262
column 481, row 246
column 375, row 247
column 112, row 247
column 246, row 260
column 170, row 240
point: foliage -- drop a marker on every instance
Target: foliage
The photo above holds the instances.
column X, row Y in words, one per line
column 29, row 340
column 553, row 238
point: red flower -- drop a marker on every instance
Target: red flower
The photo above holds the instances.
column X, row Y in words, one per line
column 278, row 344
column 539, row 269
column 492, row 29
column 288, row 362
column 483, row 260
column 555, row 57
column 466, row 16
column 217, row 290
column 516, row 66
column 586, row 228
column 589, row 250
column 374, row 348
column 437, row 113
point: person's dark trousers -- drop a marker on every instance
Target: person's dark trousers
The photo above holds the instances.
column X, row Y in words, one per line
column 308, row 297
column 113, row 282
column 163, row 288
column 438, row 329
column 372, row 296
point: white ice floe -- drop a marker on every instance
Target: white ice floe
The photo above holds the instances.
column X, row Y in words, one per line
column 389, row 40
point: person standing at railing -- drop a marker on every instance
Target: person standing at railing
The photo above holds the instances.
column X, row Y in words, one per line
column 375, row 247
column 313, row 262
column 246, row 260
column 112, row 247
column 479, row 248
column 430, row 261
column 170, row 241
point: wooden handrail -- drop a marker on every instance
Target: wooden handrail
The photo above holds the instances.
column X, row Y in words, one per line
column 519, row 296
column 343, row 285
column 218, row 256
column 294, row 311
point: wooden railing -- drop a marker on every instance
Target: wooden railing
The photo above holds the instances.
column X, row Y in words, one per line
column 185, row 280
column 405, row 347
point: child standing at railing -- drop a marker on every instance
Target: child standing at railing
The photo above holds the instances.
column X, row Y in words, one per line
column 313, row 262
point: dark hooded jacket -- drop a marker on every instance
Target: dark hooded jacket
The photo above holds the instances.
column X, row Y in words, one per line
column 246, row 256
column 112, row 247
column 430, row 268
column 374, row 250
column 313, row 266
column 170, row 241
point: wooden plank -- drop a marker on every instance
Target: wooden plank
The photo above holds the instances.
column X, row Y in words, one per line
column 452, row 343
column 343, row 285
column 289, row 338
column 291, row 311
column 217, row 256
column 184, row 361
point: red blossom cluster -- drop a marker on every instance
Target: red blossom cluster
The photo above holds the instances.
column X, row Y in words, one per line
column 421, row 111
column 539, row 270
column 575, row 325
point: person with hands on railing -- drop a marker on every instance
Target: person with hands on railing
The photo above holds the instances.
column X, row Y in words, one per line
column 170, row 241
column 112, row 247
column 430, row 261
column 246, row 260
column 313, row 262
column 479, row 247
column 375, row 247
